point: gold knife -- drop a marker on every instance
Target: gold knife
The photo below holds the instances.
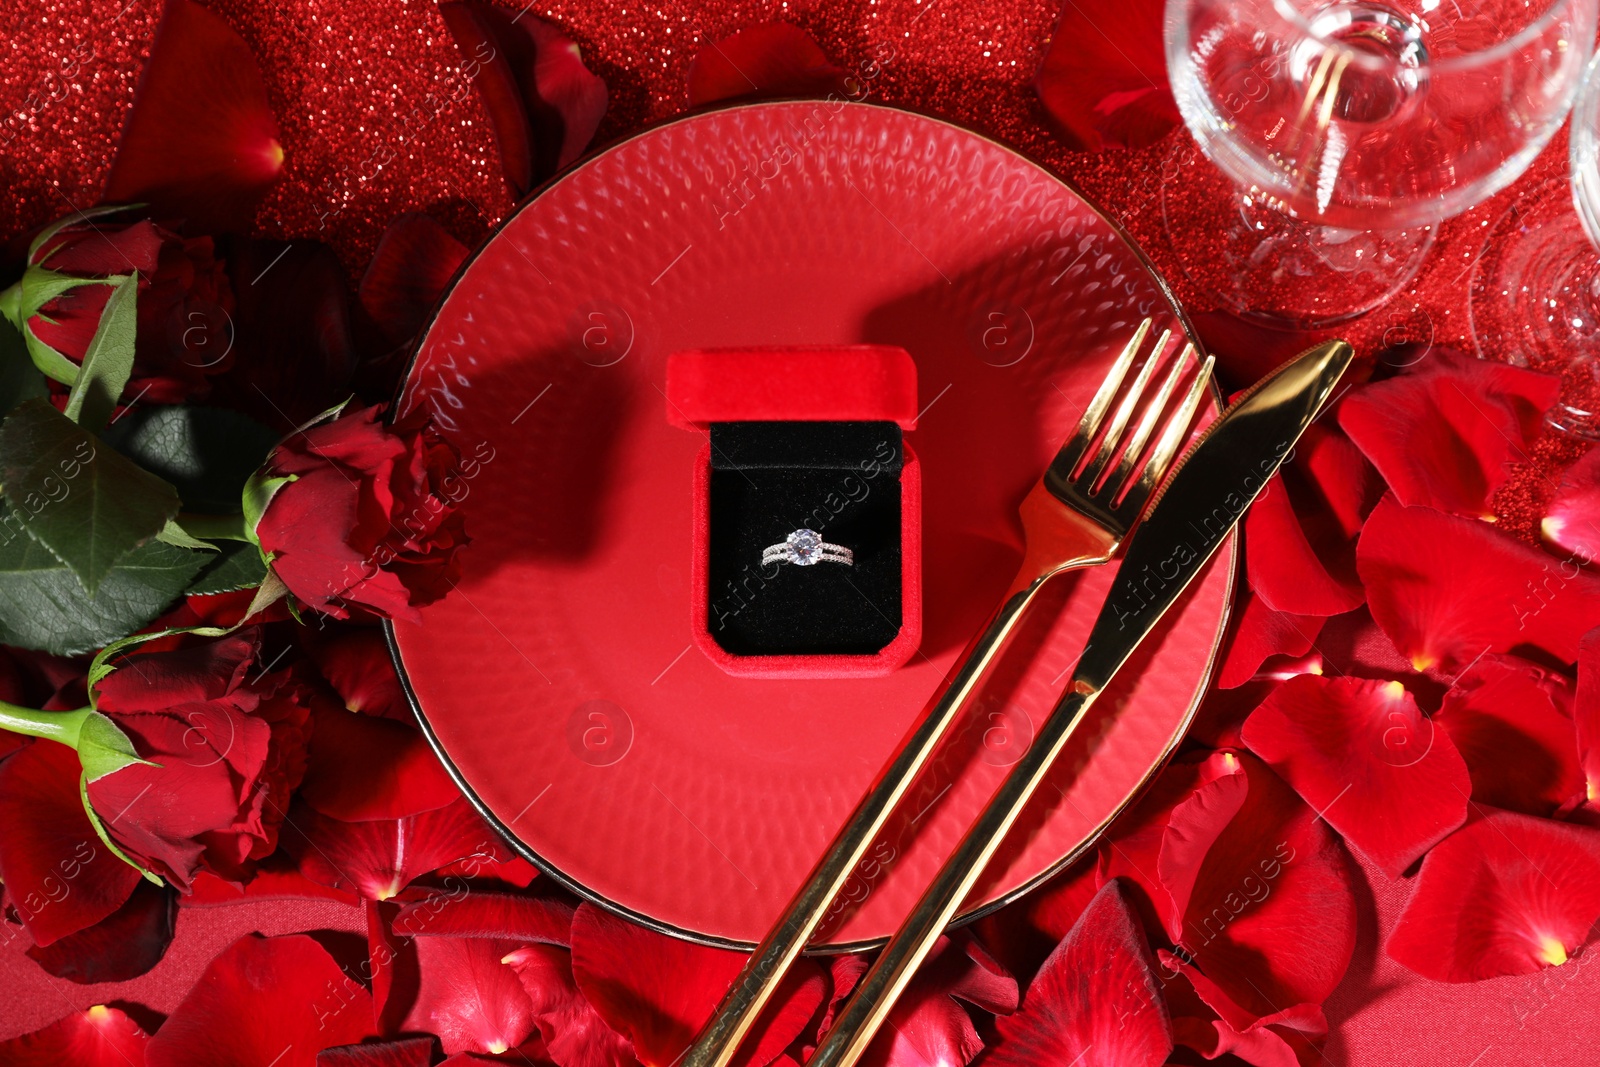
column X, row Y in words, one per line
column 1202, row 501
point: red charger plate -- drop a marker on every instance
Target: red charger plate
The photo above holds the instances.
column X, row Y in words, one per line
column 560, row 682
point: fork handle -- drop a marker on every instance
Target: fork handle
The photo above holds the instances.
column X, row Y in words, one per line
column 719, row 1040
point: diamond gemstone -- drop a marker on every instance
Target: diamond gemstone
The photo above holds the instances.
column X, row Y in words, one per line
column 805, row 547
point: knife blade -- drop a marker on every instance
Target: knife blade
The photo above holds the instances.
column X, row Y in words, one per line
column 1204, row 498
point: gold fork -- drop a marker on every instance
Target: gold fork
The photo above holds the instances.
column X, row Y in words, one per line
column 1076, row 516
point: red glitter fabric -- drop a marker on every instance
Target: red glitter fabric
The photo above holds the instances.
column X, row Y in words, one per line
column 377, row 119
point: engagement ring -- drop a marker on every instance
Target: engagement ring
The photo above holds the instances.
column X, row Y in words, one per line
column 805, row 547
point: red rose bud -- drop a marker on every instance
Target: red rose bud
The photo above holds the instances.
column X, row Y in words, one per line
column 226, row 743
column 185, row 304
column 354, row 514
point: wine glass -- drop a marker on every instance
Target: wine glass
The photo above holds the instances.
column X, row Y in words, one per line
column 1341, row 132
column 1536, row 288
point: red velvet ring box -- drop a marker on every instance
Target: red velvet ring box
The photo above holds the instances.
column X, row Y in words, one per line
column 803, row 438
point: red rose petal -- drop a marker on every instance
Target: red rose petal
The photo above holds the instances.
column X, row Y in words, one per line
column 1260, row 633
column 772, row 59
column 58, row 874
column 1286, row 1038
column 1447, row 589
column 99, row 1037
column 1362, row 753
column 274, row 878
column 120, row 947
column 544, row 103
column 1506, row 894
column 574, row 1034
column 1105, row 77
column 1445, row 433
column 363, row 767
column 1095, row 1002
column 927, row 1027
column 380, row 857
column 1586, row 714
column 413, row 263
column 1285, row 570
column 264, row 1000
column 413, row 1052
column 1024, row 934
column 658, row 991
column 1572, row 518
column 467, row 996
column 355, row 661
column 1261, row 891
column 201, row 142
column 499, row 915
column 1509, row 718
column 502, row 867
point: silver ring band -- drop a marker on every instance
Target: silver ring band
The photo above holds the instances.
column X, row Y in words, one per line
column 806, row 547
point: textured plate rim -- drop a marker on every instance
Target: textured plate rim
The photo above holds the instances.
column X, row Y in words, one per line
column 549, row 870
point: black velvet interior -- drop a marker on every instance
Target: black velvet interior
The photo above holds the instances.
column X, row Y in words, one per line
column 841, row 479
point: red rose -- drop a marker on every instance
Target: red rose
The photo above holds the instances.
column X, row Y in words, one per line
column 230, row 742
column 184, row 303
column 368, row 518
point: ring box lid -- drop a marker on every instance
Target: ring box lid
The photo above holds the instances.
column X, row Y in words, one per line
column 823, row 383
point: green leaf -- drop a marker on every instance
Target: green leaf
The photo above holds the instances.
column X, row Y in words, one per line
column 86, row 503
column 174, row 534
column 258, row 494
column 42, row 605
column 239, row 566
column 19, row 379
column 108, row 361
column 206, row 453
column 105, row 835
column 104, row 749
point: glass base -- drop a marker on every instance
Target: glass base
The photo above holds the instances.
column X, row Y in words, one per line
column 1536, row 302
column 1272, row 268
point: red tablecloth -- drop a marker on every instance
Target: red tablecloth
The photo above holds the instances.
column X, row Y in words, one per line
column 361, row 89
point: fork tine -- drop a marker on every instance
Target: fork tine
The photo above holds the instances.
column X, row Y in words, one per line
column 1089, row 425
column 1171, row 440
column 1119, row 422
column 1118, row 479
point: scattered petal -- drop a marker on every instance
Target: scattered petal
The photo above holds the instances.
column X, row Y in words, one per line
column 412, row 1052
column 1447, row 589
column 363, row 767
column 574, row 1033
column 1095, row 1001
column 201, row 142
column 1259, row 633
column 274, row 878
column 1261, row 897
column 1572, row 518
column 1364, row 755
column 1105, row 77
column 264, row 1000
column 543, row 102
column 1586, row 715
column 1285, row 1038
column 380, row 857
column 466, row 995
column 772, row 59
column 1511, row 721
column 355, row 661
column 1506, row 894
column 410, row 269
column 98, row 1037
column 1446, row 432
column 120, row 947
column 497, row 915
column 658, row 991
column 58, row 874
column 928, row 1027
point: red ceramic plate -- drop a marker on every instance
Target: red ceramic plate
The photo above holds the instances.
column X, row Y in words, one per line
column 560, row 682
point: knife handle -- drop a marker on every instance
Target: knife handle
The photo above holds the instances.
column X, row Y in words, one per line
column 877, row 992
column 719, row 1040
